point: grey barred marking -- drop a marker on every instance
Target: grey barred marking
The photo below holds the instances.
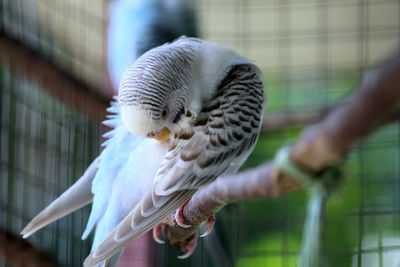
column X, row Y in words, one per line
column 243, row 118
column 246, row 112
column 233, row 122
column 214, row 141
column 205, row 162
column 189, row 156
column 240, row 87
column 185, row 135
column 212, row 105
column 242, row 148
column 237, row 135
column 222, row 141
column 217, row 114
column 216, row 125
column 157, row 74
column 236, row 109
column 246, row 129
column 201, row 121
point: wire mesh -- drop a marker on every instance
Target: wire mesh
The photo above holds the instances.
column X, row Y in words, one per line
column 70, row 33
column 45, row 145
column 312, row 54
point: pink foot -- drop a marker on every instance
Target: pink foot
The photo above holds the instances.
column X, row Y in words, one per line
column 190, row 247
column 210, row 226
column 157, row 232
column 179, row 217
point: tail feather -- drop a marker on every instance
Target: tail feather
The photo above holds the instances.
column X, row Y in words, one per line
column 77, row 196
column 132, row 226
column 112, row 261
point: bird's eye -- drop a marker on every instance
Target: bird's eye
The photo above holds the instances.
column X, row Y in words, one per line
column 164, row 113
column 188, row 113
column 178, row 115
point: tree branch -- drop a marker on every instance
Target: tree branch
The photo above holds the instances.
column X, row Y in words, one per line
column 320, row 145
column 260, row 182
column 367, row 110
column 277, row 122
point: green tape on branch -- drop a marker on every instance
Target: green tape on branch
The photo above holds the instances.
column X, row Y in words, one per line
column 282, row 159
column 320, row 188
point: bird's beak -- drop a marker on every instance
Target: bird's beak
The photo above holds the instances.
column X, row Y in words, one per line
column 161, row 135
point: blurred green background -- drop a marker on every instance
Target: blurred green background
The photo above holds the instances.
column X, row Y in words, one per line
column 312, row 53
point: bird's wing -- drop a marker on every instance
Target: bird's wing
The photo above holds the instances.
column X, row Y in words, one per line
column 220, row 139
column 77, row 196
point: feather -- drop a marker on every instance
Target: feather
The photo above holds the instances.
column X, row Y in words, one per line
column 77, row 196
column 119, row 177
column 130, row 184
column 133, row 226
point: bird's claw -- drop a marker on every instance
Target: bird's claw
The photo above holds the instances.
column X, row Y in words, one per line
column 191, row 242
column 179, row 217
column 157, row 232
column 190, row 247
column 210, row 226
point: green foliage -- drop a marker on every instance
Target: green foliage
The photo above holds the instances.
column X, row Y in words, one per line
column 267, row 251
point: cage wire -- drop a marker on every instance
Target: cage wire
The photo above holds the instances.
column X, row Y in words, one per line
column 312, row 53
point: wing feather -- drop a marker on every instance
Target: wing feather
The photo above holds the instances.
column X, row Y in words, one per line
column 77, row 196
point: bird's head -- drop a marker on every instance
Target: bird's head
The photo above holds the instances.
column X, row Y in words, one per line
column 154, row 92
column 167, row 85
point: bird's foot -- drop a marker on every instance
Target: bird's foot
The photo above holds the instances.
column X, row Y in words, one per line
column 179, row 217
column 190, row 246
column 176, row 219
column 159, row 231
column 210, row 226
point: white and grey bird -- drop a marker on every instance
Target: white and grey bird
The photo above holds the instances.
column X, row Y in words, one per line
column 187, row 112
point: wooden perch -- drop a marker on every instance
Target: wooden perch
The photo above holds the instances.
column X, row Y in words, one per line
column 260, row 182
column 368, row 109
column 277, row 122
column 320, row 145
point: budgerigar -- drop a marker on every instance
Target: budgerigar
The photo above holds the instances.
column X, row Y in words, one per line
column 187, row 112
